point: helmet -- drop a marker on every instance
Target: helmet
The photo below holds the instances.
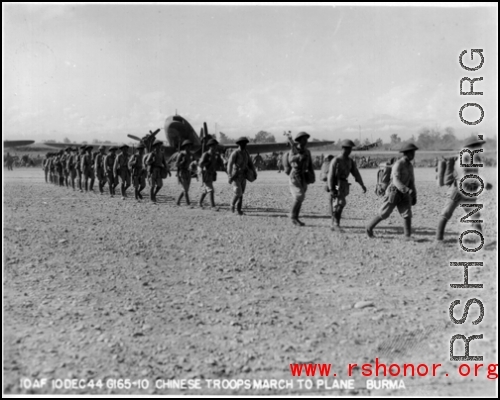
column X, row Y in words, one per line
column 242, row 139
column 123, row 146
column 408, row 147
column 212, row 142
column 470, row 141
column 186, row 143
column 157, row 143
column 141, row 146
column 102, row 148
column 302, row 134
column 347, row 143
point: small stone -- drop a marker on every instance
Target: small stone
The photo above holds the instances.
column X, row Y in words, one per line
column 364, row 304
column 63, row 241
column 252, row 259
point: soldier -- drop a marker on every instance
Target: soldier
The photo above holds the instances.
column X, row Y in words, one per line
column 86, row 166
column 239, row 165
column 9, row 160
column 45, row 166
column 99, row 169
column 120, row 170
column 136, row 166
column 401, row 192
column 71, row 165
column 50, row 166
column 183, row 164
column 455, row 196
column 64, row 161
column 280, row 162
column 79, row 166
column 93, row 155
column 155, row 162
column 59, row 167
column 338, row 186
column 208, row 165
column 301, row 163
column 109, row 164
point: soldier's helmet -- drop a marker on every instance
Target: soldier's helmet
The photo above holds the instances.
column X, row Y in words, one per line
column 242, row 139
column 301, row 135
column 112, row 148
column 471, row 141
column 102, row 147
column 89, row 147
column 347, row 143
column 157, row 143
column 67, row 149
column 140, row 146
column 212, row 142
column 330, row 157
column 408, row 147
column 83, row 147
column 124, row 146
column 186, row 143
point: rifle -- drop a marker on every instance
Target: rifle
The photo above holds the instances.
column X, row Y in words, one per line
column 288, row 135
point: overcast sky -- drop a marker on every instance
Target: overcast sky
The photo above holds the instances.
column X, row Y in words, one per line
column 101, row 71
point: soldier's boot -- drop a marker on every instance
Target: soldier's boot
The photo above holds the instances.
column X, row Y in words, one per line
column 240, row 205
column 180, row 198
column 91, row 185
column 212, row 202
column 233, row 204
column 187, row 198
column 86, row 186
column 152, row 195
column 373, row 223
column 407, row 228
column 157, row 190
column 122, row 191
column 330, row 205
column 203, row 195
column 136, row 193
column 298, row 212
column 295, row 213
column 440, row 229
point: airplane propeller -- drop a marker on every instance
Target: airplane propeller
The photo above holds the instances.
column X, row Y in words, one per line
column 134, row 137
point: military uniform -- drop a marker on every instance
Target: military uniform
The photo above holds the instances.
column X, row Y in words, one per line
column 59, row 168
column 79, row 167
column 64, row 160
column 71, row 167
column 121, row 171
column 136, row 166
column 86, row 167
column 155, row 162
column 208, row 165
column 109, row 163
column 183, row 166
column 455, row 196
column 45, row 167
column 338, row 172
column 400, row 193
column 238, row 166
column 99, row 170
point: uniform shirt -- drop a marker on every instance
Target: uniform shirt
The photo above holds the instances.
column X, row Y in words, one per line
column 99, row 161
column 121, row 163
column 183, row 160
column 469, row 185
column 340, row 169
column 240, row 161
column 402, row 175
column 86, row 162
column 136, row 162
column 209, row 161
column 109, row 162
column 155, row 160
column 301, row 161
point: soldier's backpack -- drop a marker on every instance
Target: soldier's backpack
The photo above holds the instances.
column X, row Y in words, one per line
column 383, row 178
column 448, row 178
column 324, row 170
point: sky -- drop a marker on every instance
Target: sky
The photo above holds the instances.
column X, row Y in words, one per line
column 102, row 71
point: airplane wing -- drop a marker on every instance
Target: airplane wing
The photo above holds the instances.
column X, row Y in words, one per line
column 17, row 143
column 254, row 148
column 78, row 145
column 365, row 147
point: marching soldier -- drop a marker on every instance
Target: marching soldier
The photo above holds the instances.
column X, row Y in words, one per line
column 59, row 167
column 300, row 174
column 65, row 158
column 9, row 160
column 45, row 167
column 155, row 162
column 86, row 167
column 99, row 170
column 71, row 167
column 208, row 165
column 401, row 192
column 279, row 162
column 93, row 155
column 79, row 167
column 136, row 166
column 455, row 196
column 183, row 165
column 109, row 164
column 121, row 171
column 338, row 186
column 239, row 165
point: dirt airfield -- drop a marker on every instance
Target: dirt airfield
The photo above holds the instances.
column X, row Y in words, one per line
column 100, row 288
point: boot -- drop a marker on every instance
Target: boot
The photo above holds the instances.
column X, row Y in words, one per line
column 440, row 229
column 86, row 186
column 233, row 204
column 122, row 191
column 298, row 212
column 373, row 223
column 212, row 201
column 239, row 204
column 295, row 213
column 407, row 228
column 203, row 195
column 136, row 193
column 152, row 195
column 139, row 193
column 186, row 194
column 180, row 198
column 157, row 190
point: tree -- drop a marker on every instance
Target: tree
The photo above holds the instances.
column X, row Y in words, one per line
column 264, row 137
column 95, row 141
column 366, row 142
column 395, row 139
column 66, row 140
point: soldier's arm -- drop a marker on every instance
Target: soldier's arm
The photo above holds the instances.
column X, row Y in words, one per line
column 356, row 174
column 179, row 161
column 116, row 165
column 203, row 161
column 331, row 175
column 230, row 164
column 396, row 177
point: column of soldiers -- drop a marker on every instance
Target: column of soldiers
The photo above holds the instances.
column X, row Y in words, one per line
column 63, row 167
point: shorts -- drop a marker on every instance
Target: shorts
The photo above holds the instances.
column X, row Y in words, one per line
column 155, row 178
column 239, row 185
column 185, row 179
column 139, row 180
column 403, row 205
column 298, row 187
column 124, row 177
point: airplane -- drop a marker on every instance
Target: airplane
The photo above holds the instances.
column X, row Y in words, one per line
column 177, row 129
column 17, row 143
column 365, row 147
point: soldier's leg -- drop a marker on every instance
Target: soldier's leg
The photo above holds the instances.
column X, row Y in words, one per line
column 298, row 195
column 452, row 203
column 240, row 200
column 180, row 198
column 204, row 192
column 79, row 180
column 46, row 177
column 337, row 210
column 142, row 185
column 384, row 212
column 237, row 190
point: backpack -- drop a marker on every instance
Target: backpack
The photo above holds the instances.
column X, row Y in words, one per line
column 324, row 170
column 383, row 179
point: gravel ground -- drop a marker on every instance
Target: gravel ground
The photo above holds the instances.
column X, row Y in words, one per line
column 100, row 288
